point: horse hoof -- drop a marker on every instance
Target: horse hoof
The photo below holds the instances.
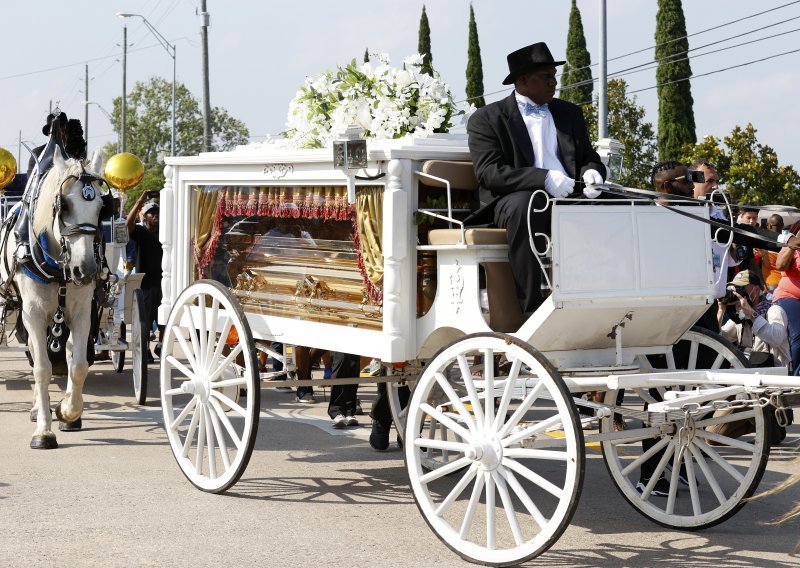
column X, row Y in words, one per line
column 70, row 426
column 44, row 442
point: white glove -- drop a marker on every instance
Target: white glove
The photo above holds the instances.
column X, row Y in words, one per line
column 592, row 178
column 558, row 184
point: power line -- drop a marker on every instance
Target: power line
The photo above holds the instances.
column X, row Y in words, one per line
column 85, row 61
column 696, row 33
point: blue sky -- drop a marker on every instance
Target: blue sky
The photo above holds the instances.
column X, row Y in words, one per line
column 261, row 50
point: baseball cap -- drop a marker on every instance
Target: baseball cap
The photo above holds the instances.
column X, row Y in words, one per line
column 149, row 206
column 744, row 278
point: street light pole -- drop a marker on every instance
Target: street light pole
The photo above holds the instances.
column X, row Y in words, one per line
column 171, row 51
column 123, row 133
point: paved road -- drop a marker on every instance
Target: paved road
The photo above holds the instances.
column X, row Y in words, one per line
column 112, row 495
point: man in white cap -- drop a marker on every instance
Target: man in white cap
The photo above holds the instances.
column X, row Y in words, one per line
column 148, row 253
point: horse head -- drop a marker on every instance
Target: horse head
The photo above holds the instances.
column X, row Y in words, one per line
column 72, row 226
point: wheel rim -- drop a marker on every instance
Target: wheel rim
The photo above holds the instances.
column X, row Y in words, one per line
column 722, row 469
column 211, row 434
column 138, row 346
column 508, row 459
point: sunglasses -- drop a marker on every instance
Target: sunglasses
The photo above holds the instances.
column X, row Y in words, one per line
column 694, row 176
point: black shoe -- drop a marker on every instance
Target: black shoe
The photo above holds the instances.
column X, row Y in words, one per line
column 660, row 489
column 379, row 438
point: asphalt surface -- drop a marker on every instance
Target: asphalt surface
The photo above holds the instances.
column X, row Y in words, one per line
column 112, row 495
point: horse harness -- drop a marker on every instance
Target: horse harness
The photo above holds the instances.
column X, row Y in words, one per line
column 37, row 262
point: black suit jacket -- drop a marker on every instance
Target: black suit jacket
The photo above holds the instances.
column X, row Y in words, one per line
column 502, row 153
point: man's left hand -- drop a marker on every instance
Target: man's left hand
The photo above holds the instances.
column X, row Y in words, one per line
column 592, row 178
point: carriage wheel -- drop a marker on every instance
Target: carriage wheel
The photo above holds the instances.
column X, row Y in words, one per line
column 707, row 479
column 508, row 444
column 140, row 331
column 118, row 357
column 212, row 435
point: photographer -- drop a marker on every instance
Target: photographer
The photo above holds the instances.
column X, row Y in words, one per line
column 754, row 324
column 148, row 253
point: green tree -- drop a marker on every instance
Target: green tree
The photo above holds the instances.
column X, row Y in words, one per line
column 676, row 125
column 474, row 64
column 576, row 78
column 149, row 127
column 366, row 55
column 626, row 123
column 750, row 170
column 424, row 43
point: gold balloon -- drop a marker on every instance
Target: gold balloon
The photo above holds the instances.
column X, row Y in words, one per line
column 124, row 171
column 8, row 168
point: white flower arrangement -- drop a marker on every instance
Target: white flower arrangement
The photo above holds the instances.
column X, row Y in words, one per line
column 385, row 101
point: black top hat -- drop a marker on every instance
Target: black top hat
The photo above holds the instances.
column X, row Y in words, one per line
column 527, row 59
column 62, row 117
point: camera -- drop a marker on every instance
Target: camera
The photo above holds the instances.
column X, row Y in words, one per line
column 696, row 176
column 742, row 253
column 730, row 294
column 152, row 194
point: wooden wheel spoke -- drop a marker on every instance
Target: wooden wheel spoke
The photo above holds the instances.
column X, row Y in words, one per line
column 524, row 406
column 491, row 523
column 709, row 476
column 222, row 365
column 662, row 465
column 533, row 477
column 508, row 507
column 446, row 421
column 488, row 392
column 719, row 460
column 220, row 413
column 474, row 399
column 455, row 400
column 210, row 444
column 198, row 462
column 474, row 499
column 220, row 435
column 537, row 428
column 508, row 390
column 645, row 456
column 186, row 410
column 459, row 488
column 523, row 496
column 228, row 402
column 180, row 367
column 187, row 443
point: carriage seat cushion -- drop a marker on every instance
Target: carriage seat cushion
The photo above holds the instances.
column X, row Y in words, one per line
column 461, row 175
column 471, row 237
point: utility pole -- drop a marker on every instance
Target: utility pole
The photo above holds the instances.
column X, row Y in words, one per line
column 602, row 99
column 124, row 88
column 204, row 22
column 86, row 111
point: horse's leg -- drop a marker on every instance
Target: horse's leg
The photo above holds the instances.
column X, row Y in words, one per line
column 34, row 318
column 78, row 314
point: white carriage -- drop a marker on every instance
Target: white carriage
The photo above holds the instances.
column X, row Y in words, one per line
column 494, row 444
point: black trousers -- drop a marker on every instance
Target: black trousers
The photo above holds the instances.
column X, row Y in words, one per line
column 381, row 411
column 511, row 214
column 343, row 397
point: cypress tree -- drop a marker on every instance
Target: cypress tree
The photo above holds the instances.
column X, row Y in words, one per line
column 366, row 55
column 424, row 43
column 676, row 125
column 576, row 78
column 474, row 64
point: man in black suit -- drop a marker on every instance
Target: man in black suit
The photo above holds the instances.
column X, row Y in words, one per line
column 526, row 142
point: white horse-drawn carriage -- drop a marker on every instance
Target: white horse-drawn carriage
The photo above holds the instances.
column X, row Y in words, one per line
column 264, row 246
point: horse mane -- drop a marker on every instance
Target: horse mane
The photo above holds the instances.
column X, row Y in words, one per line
column 49, row 189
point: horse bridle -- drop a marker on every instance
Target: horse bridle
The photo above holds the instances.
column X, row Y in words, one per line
column 88, row 193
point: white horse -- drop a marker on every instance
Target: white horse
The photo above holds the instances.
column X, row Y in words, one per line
column 66, row 216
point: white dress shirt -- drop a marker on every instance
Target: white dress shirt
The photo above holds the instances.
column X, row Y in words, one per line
column 542, row 131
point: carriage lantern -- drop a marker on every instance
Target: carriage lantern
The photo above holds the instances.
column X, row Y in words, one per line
column 610, row 152
column 350, row 153
column 8, row 168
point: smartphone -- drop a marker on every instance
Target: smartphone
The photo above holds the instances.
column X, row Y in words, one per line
column 152, row 194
